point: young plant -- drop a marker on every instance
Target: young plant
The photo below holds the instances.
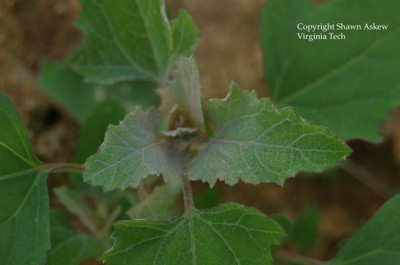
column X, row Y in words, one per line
column 131, row 46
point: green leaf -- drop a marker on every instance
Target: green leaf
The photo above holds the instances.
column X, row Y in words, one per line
column 14, row 143
column 284, row 221
column 229, row 234
column 76, row 203
column 24, row 200
column 92, row 133
column 305, row 230
column 348, row 85
column 131, row 151
column 90, row 138
column 131, row 39
column 63, row 85
column 67, row 246
column 287, row 225
column 377, row 242
column 207, row 198
column 156, row 206
column 184, row 34
column 133, row 94
column 254, row 142
column 182, row 96
column 24, row 235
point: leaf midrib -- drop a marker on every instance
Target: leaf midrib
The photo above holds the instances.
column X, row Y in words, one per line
column 145, row 22
column 221, row 237
column 28, row 162
column 118, row 44
column 34, row 184
column 351, row 101
column 291, row 147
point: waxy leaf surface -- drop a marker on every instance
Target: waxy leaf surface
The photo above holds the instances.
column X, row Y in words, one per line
column 130, row 152
column 24, row 225
column 183, row 91
column 377, row 242
column 349, row 85
column 254, row 142
column 226, row 235
column 131, row 39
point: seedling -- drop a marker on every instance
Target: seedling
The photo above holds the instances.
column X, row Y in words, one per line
column 133, row 51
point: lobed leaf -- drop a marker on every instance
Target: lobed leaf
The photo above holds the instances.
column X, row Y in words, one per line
column 347, row 85
column 92, row 132
column 90, row 138
column 130, row 152
column 24, row 235
column 254, row 142
column 228, row 234
column 131, row 39
column 377, row 242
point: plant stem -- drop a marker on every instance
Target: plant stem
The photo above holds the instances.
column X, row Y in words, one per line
column 187, row 195
column 62, row 166
column 55, row 167
column 189, row 206
column 297, row 259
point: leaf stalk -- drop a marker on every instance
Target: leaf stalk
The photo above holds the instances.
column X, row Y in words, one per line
column 53, row 167
column 187, row 196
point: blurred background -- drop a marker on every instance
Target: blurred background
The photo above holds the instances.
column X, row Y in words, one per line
column 336, row 202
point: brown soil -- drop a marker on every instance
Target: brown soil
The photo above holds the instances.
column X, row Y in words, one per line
column 229, row 49
column 29, row 32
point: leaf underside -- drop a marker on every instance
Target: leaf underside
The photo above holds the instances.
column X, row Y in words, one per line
column 347, row 85
column 24, row 236
column 184, row 92
column 132, row 151
column 254, row 142
column 229, row 234
column 131, row 39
